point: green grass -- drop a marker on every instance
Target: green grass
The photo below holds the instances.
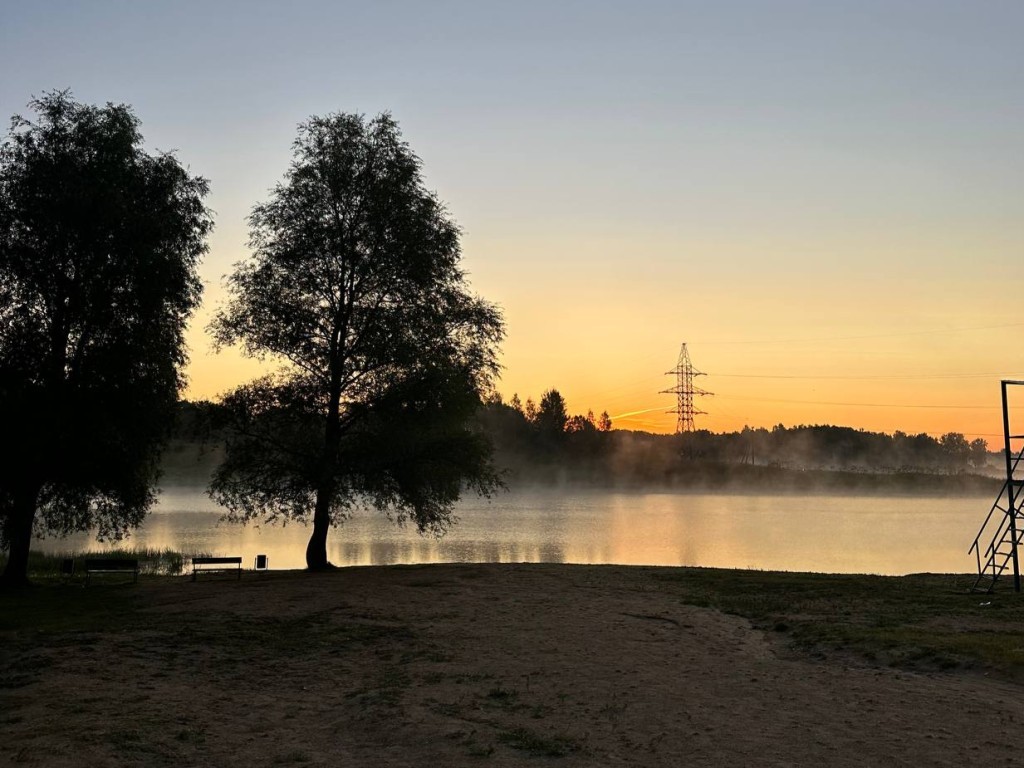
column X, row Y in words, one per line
column 921, row 621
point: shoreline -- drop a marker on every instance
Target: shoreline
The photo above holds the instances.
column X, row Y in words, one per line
column 796, row 533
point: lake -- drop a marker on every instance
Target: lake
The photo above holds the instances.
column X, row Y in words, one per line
column 839, row 534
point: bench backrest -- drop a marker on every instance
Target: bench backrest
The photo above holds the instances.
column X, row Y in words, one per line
column 216, row 561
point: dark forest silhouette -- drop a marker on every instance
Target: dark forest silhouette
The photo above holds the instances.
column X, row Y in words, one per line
column 530, row 444
column 534, row 447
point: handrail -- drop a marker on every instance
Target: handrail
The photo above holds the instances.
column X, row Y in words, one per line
column 1005, row 526
column 1008, row 531
column 988, row 517
column 992, row 551
column 995, row 506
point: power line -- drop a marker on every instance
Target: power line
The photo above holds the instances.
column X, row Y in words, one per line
column 857, row 378
column 861, row 405
column 933, row 332
column 932, row 406
column 629, row 390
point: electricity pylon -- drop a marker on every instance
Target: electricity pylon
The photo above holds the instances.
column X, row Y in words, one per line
column 684, row 392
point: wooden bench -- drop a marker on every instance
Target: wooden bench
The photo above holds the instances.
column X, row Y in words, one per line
column 111, row 565
column 215, row 564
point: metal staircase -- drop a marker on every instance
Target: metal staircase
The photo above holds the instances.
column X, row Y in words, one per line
column 995, row 547
column 1004, row 534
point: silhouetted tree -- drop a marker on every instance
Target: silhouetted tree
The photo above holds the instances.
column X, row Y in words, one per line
column 99, row 243
column 355, row 289
column 579, row 424
column 530, row 410
column 956, row 449
column 979, row 453
column 552, row 415
column 604, row 422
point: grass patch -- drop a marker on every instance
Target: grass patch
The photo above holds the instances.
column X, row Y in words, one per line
column 38, row 622
column 386, row 690
column 46, row 566
column 295, row 757
column 537, row 744
column 54, row 608
column 929, row 621
column 473, row 749
column 236, row 640
column 502, row 695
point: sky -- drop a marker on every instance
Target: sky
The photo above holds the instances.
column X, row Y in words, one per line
column 823, row 199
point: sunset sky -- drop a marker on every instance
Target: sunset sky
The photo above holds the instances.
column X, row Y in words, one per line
column 825, row 200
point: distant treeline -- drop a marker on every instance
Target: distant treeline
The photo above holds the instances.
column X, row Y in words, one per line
column 543, row 443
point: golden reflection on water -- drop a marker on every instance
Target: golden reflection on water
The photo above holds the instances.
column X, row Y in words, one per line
column 852, row 534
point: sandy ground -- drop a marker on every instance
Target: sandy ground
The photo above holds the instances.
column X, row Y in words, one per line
column 476, row 665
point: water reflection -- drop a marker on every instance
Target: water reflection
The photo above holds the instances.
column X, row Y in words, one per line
column 852, row 534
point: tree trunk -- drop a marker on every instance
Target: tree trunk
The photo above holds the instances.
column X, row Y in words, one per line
column 23, row 513
column 316, row 550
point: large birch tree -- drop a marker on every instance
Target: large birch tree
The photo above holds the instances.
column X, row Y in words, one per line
column 380, row 354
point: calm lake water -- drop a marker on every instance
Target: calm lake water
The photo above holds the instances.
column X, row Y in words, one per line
column 841, row 534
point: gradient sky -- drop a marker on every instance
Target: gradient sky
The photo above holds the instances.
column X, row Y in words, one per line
column 823, row 199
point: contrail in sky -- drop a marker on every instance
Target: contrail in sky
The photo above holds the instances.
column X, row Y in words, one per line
column 635, row 413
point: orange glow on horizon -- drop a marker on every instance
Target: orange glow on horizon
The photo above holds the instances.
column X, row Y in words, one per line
column 872, row 357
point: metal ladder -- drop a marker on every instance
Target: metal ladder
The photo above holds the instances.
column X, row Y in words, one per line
column 1003, row 535
column 1004, row 532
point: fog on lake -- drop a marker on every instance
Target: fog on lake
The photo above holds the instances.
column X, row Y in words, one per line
column 825, row 533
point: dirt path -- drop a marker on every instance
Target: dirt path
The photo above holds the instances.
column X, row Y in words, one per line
column 475, row 665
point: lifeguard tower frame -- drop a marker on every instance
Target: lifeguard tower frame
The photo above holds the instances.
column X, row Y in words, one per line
column 995, row 547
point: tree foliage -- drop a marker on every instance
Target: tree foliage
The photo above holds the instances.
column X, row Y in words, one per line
column 354, row 289
column 99, row 244
column 552, row 415
column 546, row 435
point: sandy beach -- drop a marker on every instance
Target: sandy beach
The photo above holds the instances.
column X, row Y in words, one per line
column 502, row 665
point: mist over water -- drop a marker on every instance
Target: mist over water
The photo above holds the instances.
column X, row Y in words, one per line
column 797, row 532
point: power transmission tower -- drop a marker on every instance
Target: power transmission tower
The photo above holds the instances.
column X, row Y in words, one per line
column 684, row 392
